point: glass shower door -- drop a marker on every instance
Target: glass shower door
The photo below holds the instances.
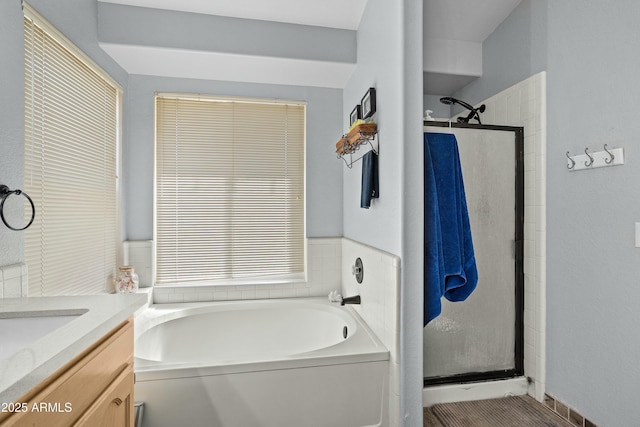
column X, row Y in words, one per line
column 473, row 338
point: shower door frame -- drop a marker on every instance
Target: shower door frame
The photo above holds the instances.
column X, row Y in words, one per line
column 518, row 369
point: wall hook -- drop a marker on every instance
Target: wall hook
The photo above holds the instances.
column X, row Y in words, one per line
column 573, row 162
column 590, row 162
column 611, row 156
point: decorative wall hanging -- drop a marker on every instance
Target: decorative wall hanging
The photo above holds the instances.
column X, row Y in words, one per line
column 361, row 134
column 355, row 115
column 368, row 103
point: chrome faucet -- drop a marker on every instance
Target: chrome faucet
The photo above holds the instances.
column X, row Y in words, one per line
column 350, row 300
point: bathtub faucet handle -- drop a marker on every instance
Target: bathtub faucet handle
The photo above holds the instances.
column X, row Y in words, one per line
column 350, row 300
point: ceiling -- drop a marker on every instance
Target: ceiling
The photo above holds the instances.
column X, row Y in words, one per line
column 457, row 21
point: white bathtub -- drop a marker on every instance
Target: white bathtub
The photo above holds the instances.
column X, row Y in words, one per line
column 267, row 363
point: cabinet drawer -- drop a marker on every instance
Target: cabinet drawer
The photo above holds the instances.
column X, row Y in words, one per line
column 68, row 393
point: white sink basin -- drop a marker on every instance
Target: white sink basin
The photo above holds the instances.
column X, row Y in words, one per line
column 19, row 330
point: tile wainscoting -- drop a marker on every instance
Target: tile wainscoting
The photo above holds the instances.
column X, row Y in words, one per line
column 380, row 307
column 566, row 412
column 323, row 276
column 140, row 254
column 14, row 281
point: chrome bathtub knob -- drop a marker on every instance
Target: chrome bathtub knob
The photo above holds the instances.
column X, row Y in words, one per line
column 358, row 270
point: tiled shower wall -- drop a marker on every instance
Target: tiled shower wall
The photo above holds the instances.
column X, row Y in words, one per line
column 524, row 104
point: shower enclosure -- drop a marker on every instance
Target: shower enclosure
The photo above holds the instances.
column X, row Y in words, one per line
column 482, row 338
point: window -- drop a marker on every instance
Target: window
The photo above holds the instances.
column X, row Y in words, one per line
column 229, row 200
column 71, row 140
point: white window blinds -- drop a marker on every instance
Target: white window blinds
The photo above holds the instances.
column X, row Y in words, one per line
column 229, row 190
column 71, row 140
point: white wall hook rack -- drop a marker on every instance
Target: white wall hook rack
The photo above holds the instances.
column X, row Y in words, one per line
column 598, row 159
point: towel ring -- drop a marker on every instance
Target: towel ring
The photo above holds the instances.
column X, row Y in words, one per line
column 4, row 194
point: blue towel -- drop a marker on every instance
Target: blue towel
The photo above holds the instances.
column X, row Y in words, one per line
column 370, row 188
column 449, row 265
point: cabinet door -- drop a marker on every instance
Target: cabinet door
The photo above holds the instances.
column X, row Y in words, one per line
column 114, row 408
column 79, row 384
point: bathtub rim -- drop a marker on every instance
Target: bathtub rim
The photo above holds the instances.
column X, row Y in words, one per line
column 362, row 346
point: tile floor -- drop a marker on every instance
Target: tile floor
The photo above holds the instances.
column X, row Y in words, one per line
column 515, row 411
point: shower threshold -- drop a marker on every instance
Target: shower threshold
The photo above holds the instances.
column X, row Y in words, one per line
column 462, row 392
column 449, row 393
column 472, row 377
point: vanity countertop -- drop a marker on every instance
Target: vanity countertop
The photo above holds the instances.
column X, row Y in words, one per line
column 96, row 316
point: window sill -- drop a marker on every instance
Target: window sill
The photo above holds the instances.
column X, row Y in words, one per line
column 288, row 280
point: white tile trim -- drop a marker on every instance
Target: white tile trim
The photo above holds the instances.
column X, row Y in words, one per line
column 524, row 104
column 14, row 281
column 531, row 113
column 323, row 266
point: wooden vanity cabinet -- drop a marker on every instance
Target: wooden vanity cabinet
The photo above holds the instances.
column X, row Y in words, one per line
column 114, row 408
column 94, row 389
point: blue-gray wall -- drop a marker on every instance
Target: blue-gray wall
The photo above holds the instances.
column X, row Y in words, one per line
column 389, row 35
column 207, row 33
column 77, row 20
column 377, row 40
column 11, row 118
column 440, row 110
column 516, row 50
column 157, row 28
column 592, row 264
column 589, row 50
column 323, row 169
column 412, row 189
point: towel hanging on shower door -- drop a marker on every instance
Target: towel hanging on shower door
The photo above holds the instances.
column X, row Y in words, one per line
column 449, row 265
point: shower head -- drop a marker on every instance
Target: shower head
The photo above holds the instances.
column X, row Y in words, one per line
column 474, row 112
column 448, row 100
